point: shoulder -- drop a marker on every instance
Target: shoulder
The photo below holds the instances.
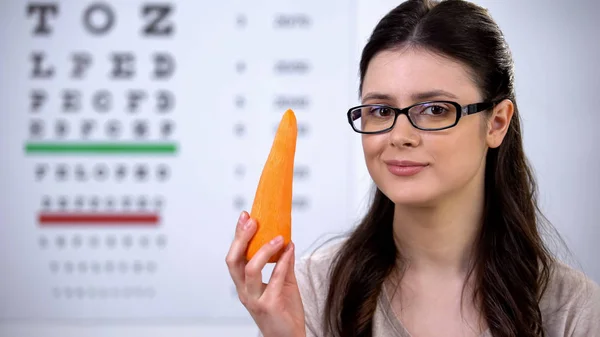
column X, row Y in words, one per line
column 320, row 257
column 312, row 269
column 312, row 275
column 571, row 303
column 569, row 286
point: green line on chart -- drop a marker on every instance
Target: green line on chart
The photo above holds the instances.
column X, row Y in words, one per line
column 104, row 148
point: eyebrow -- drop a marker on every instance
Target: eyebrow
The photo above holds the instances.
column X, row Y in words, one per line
column 420, row 96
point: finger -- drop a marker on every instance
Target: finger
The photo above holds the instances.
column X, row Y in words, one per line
column 253, row 270
column 290, row 276
column 235, row 258
column 280, row 272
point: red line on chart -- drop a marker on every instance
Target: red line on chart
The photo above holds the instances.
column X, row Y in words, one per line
column 98, row 219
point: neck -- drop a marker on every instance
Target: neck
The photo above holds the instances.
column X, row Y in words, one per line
column 440, row 238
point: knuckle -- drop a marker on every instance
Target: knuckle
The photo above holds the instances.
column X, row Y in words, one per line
column 258, row 308
column 251, row 271
column 265, row 252
column 279, row 271
column 238, row 233
column 261, row 311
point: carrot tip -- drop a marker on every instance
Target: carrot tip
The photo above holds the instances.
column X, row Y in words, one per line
column 273, row 198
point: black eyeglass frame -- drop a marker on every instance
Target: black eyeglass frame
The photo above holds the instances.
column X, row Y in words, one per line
column 460, row 112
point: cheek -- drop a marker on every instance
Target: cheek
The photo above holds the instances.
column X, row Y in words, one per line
column 373, row 145
column 457, row 158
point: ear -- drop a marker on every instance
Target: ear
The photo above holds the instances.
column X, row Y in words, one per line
column 499, row 122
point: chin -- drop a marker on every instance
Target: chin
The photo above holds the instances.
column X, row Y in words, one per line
column 410, row 192
column 409, row 197
column 421, row 189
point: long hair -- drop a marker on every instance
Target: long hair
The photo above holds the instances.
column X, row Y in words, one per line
column 512, row 265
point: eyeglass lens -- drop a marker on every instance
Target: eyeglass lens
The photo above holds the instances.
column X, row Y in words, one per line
column 432, row 115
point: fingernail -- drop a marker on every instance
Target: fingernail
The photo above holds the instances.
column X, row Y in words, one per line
column 242, row 217
column 277, row 240
column 247, row 224
column 289, row 247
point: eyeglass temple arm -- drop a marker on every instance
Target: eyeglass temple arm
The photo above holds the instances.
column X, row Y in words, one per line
column 473, row 108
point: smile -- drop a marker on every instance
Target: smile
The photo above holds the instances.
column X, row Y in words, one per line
column 405, row 169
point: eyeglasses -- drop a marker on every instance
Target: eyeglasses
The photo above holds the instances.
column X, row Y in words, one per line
column 427, row 116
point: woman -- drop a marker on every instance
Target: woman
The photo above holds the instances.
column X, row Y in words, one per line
column 451, row 244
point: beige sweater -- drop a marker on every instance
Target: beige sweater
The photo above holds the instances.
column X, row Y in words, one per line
column 570, row 306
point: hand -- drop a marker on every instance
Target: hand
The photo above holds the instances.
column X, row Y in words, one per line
column 276, row 307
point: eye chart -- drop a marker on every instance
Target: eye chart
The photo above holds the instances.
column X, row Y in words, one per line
column 133, row 134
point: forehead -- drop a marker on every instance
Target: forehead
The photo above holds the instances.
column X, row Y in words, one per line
column 407, row 73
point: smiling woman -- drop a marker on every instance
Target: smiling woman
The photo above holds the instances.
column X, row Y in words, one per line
column 451, row 244
column 453, row 152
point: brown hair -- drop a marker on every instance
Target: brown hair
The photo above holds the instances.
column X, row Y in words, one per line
column 512, row 264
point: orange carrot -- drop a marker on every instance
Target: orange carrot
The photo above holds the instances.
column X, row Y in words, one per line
column 272, row 206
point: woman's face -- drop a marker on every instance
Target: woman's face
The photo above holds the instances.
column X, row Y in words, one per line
column 453, row 159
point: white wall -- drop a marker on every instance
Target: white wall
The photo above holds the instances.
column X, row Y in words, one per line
column 556, row 52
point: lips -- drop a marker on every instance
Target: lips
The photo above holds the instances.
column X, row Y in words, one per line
column 404, row 163
column 405, row 168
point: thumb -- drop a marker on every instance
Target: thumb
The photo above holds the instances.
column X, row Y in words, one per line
column 290, row 276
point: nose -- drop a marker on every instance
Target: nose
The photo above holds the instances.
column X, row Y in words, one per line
column 403, row 134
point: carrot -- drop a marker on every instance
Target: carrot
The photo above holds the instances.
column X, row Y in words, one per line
column 272, row 205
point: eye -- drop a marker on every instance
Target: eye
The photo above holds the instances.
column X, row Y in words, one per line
column 381, row 111
column 434, row 109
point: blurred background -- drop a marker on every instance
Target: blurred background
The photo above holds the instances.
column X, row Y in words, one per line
column 133, row 134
